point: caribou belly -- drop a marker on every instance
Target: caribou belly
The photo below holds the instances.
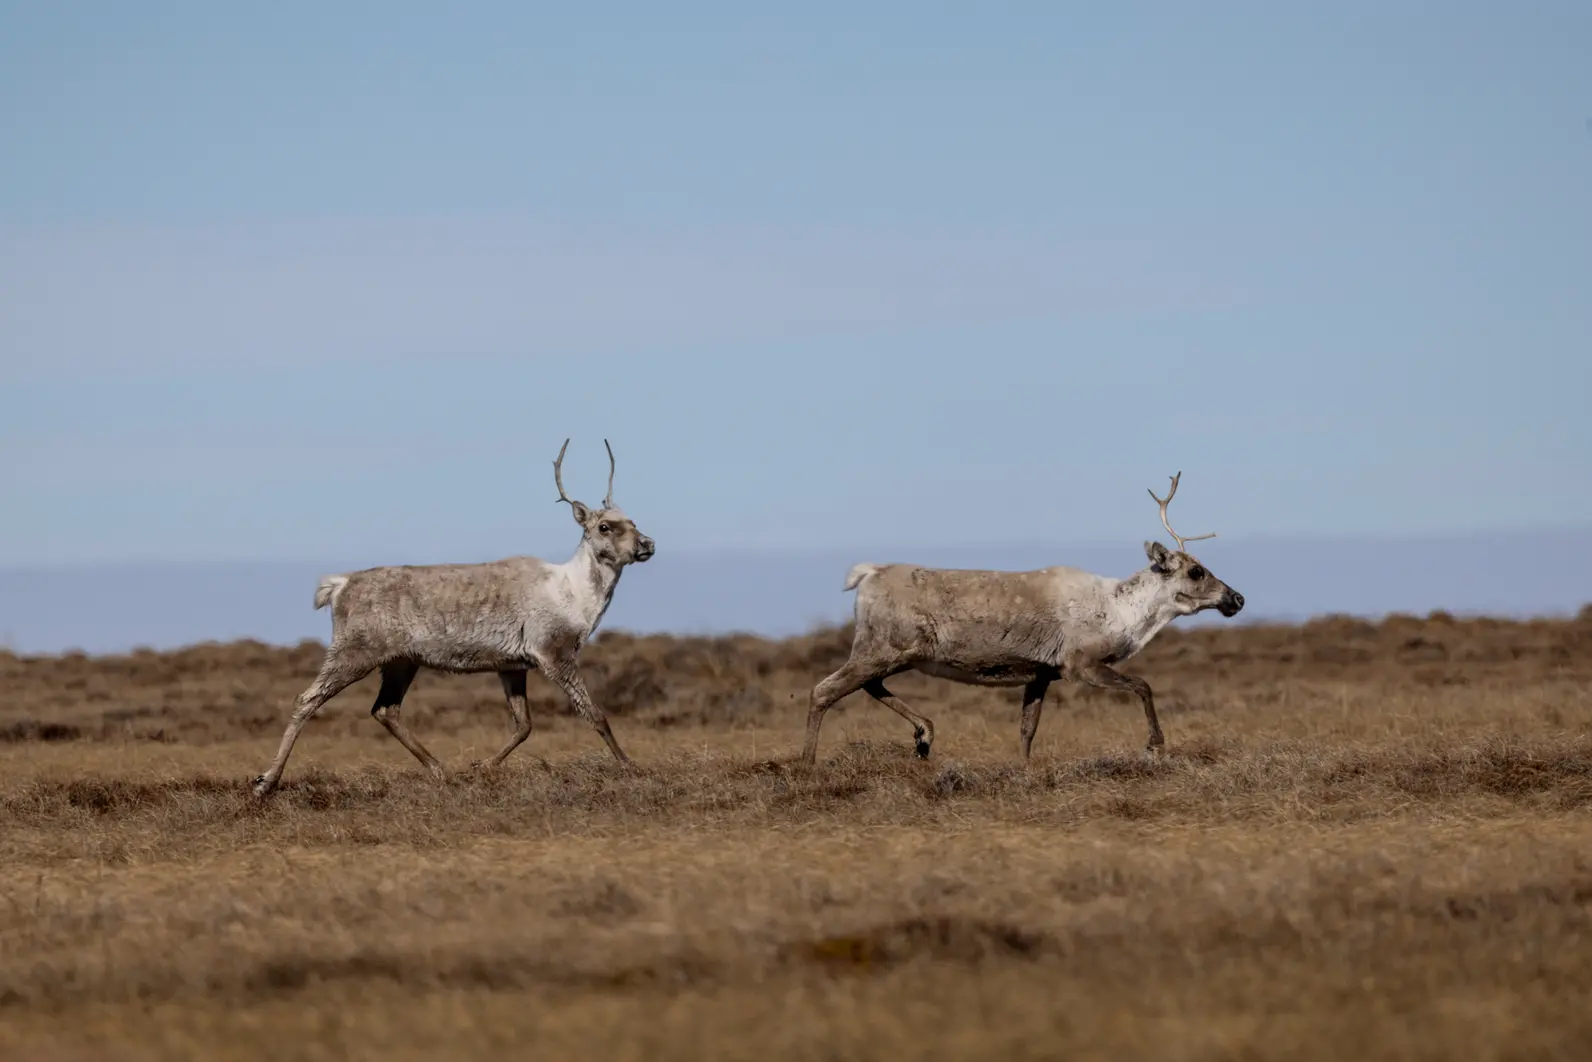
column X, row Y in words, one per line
column 1013, row 674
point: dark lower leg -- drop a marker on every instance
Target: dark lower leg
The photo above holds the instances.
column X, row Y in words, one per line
column 395, row 680
column 599, row 723
column 922, row 725
column 1033, row 704
column 519, row 716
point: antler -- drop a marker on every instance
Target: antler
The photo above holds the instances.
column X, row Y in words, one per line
column 608, row 501
column 558, row 475
column 1163, row 503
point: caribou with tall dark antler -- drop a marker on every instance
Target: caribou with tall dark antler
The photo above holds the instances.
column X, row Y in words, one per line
column 510, row 616
column 1028, row 629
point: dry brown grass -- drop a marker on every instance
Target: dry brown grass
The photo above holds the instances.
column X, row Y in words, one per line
column 1365, row 840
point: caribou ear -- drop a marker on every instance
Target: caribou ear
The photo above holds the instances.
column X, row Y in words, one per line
column 582, row 514
column 1159, row 557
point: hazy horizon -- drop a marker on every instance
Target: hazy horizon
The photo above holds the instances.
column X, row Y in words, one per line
column 119, row 607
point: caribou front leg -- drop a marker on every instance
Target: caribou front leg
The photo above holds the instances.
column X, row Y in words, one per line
column 1098, row 674
column 569, row 681
column 519, row 717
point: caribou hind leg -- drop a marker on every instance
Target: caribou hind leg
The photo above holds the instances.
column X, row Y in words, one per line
column 855, row 674
column 922, row 725
column 337, row 673
column 1033, row 705
column 395, row 680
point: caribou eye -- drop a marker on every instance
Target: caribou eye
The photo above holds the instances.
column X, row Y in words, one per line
column 604, row 528
column 1196, row 573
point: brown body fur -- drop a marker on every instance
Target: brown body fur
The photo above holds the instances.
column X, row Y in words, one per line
column 1029, row 629
column 508, row 616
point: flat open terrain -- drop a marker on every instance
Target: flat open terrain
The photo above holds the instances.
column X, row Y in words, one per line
column 1363, row 841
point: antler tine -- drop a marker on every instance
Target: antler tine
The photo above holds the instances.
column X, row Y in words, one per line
column 608, row 502
column 558, row 474
column 1163, row 503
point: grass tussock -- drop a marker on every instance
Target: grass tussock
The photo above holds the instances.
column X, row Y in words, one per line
column 1366, row 839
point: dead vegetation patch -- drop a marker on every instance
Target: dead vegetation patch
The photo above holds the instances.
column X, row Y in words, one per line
column 941, row 939
column 1355, row 825
column 33, row 730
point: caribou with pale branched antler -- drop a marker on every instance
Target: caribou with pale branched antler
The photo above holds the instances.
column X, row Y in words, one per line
column 510, row 616
column 1028, row 629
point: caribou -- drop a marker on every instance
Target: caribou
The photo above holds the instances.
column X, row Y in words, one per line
column 511, row 616
column 1028, row 629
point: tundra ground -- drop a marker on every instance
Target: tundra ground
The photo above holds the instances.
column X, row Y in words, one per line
column 1368, row 841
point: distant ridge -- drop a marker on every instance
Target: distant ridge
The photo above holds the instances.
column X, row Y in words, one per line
column 115, row 608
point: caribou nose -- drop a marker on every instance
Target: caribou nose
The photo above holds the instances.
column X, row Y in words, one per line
column 1238, row 601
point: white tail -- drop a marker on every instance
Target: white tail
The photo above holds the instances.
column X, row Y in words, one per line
column 329, row 588
column 858, row 573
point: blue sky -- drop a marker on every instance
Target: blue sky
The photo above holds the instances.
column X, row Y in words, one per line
column 335, row 280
